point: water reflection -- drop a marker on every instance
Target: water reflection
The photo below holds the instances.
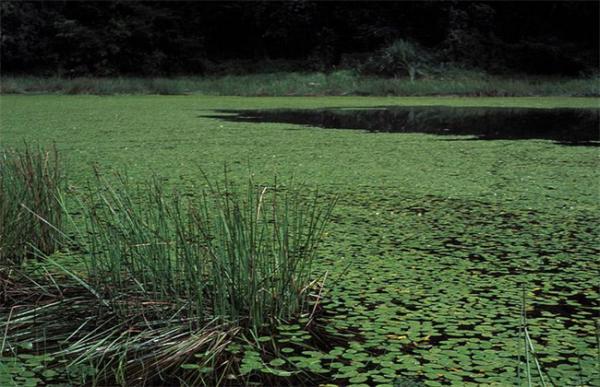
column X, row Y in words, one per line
column 564, row 126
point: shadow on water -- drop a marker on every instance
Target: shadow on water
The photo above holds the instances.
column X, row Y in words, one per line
column 564, row 126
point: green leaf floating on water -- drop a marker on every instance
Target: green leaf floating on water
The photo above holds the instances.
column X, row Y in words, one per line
column 277, row 362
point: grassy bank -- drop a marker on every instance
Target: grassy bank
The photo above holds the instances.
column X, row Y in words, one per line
column 431, row 246
column 308, row 84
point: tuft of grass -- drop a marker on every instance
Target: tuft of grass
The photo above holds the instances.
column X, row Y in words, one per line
column 341, row 82
column 30, row 212
column 169, row 279
column 239, row 255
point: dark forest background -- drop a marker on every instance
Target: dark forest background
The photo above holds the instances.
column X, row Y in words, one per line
column 69, row 38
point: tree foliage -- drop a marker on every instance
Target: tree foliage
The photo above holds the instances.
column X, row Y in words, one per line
column 149, row 38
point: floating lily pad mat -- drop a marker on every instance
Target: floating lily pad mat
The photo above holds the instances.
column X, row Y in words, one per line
column 567, row 126
column 430, row 290
column 433, row 242
column 434, row 286
column 436, row 289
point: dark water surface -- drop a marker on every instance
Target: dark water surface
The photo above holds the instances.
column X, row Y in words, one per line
column 564, row 126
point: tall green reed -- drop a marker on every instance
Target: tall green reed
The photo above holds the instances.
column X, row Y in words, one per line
column 530, row 353
column 239, row 254
column 30, row 211
column 166, row 279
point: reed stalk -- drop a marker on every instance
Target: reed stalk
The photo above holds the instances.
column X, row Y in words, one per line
column 30, row 212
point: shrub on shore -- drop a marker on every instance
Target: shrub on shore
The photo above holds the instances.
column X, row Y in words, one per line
column 427, row 82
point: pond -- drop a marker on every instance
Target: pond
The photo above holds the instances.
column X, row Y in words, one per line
column 438, row 286
column 563, row 126
column 439, row 245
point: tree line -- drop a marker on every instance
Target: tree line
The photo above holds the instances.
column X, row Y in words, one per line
column 173, row 38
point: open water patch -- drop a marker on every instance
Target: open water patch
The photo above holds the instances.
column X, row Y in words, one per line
column 564, row 126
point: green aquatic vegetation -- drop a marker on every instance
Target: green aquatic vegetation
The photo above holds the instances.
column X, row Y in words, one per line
column 242, row 255
column 467, row 303
column 432, row 239
column 29, row 207
column 170, row 280
column 25, row 370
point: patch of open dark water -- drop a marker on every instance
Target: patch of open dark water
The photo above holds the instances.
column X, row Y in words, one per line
column 564, row 126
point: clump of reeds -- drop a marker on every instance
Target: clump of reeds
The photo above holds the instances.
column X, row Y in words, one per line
column 168, row 279
column 30, row 211
column 242, row 255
